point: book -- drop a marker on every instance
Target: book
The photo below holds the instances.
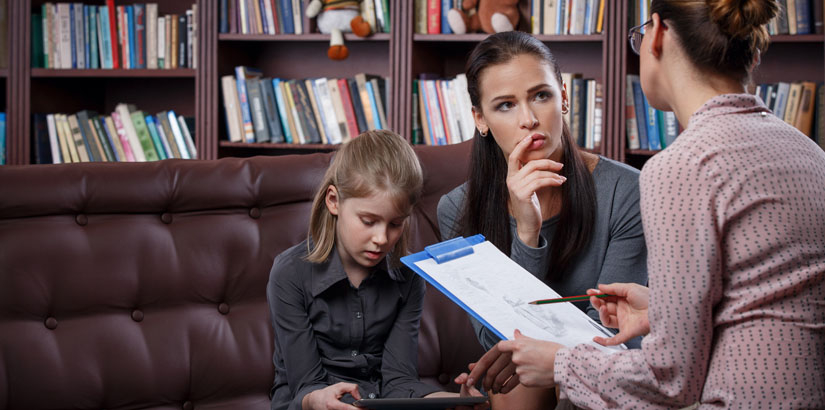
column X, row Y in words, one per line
column 182, row 31
column 125, row 120
column 165, row 131
column 156, row 130
column 125, row 151
column 256, row 107
column 631, row 126
column 312, row 92
column 140, row 35
column 495, row 290
column 162, row 42
column 91, row 37
column 115, row 55
column 67, row 137
column 145, row 139
column 282, row 109
column 338, row 107
column 302, row 104
column 232, row 109
column 152, row 35
column 185, row 126
column 179, row 137
column 103, row 145
column 60, row 153
column 792, row 106
column 295, row 119
column 639, row 105
column 327, row 107
column 355, row 98
column 416, row 117
column 349, row 111
column 80, row 143
column 95, row 152
column 379, row 90
column 373, row 95
column 42, row 146
column 113, row 150
column 37, row 60
column 242, row 73
column 433, row 16
column 804, row 120
column 273, row 119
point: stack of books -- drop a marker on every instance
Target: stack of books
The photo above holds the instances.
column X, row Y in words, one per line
column 304, row 111
column 2, row 138
column 563, row 17
column 79, row 36
column 127, row 134
column 287, row 16
column 798, row 17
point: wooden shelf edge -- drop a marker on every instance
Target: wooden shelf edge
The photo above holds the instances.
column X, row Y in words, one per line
column 298, row 37
column 113, row 73
column 283, row 145
column 642, row 152
column 798, row 38
column 476, row 37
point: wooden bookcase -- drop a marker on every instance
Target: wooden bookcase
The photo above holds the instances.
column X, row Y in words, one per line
column 400, row 55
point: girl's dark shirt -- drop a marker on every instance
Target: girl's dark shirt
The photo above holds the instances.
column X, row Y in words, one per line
column 328, row 331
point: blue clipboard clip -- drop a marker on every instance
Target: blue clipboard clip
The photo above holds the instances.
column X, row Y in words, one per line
column 448, row 250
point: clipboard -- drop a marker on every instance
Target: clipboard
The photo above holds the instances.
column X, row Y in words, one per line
column 494, row 289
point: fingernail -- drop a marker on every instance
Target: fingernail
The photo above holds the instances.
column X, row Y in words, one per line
column 470, row 382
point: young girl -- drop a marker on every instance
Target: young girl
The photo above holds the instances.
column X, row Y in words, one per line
column 344, row 310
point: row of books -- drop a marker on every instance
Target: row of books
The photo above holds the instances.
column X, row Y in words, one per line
column 126, row 135
column 567, row 16
column 2, row 138
column 795, row 16
column 798, row 17
column 287, row 16
column 647, row 127
column 80, row 36
column 795, row 103
column 304, row 111
column 442, row 110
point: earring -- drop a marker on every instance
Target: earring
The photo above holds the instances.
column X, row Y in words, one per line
column 565, row 108
column 483, row 134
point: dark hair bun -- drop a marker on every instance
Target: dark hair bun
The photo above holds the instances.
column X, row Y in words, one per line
column 741, row 18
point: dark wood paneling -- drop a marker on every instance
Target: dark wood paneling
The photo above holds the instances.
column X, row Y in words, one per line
column 18, row 101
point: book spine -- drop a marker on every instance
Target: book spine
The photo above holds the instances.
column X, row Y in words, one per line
column 349, row 112
column 152, row 35
column 281, row 103
column 433, row 16
column 243, row 98
column 178, row 133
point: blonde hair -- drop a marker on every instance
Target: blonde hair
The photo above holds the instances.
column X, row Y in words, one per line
column 375, row 162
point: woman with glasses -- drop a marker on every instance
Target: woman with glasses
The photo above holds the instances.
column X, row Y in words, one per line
column 734, row 216
column 569, row 217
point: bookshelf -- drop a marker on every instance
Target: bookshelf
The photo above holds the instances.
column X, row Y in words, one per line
column 788, row 58
column 401, row 55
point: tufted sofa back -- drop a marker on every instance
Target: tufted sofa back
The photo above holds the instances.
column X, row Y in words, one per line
column 142, row 286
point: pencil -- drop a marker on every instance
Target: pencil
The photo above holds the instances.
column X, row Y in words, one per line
column 567, row 299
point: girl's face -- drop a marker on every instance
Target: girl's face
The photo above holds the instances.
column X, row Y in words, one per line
column 367, row 229
column 522, row 99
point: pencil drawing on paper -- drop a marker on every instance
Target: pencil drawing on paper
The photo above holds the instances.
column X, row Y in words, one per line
column 543, row 318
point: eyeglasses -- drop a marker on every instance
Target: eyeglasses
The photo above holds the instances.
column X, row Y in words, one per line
column 635, row 36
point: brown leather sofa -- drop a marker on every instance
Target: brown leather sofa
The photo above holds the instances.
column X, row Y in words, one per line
column 142, row 286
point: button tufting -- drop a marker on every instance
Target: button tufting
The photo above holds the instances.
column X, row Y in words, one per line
column 372, row 395
column 81, row 220
column 187, row 405
column 255, row 213
column 443, row 378
column 223, row 308
column 137, row 315
column 166, row 217
column 51, row 323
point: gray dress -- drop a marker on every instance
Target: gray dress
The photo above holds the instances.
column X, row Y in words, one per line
column 616, row 252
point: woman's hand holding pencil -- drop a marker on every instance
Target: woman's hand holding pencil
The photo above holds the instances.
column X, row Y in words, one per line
column 621, row 306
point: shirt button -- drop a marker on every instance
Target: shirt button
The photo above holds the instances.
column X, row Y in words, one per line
column 358, row 315
column 372, row 395
column 354, row 353
column 364, row 371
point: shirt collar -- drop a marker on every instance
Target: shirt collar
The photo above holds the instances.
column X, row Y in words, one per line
column 728, row 104
column 331, row 271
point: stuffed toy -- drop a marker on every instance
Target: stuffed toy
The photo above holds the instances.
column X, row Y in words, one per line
column 490, row 16
column 336, row 17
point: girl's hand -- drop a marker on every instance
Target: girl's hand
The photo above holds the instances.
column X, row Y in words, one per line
column 627, row 311
column 535, row 359
column 329, row 398
column 523, row 180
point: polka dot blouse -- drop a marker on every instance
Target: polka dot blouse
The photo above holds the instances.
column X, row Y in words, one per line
column 734, row 219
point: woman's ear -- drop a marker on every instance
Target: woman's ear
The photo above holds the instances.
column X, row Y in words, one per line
column 332, row 200
column 656, row 35
column 481, row 125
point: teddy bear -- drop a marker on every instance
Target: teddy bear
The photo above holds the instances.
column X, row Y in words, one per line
column 490, row 16
column 335, row 17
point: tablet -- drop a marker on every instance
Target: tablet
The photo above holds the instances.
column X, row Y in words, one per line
column 419, row 403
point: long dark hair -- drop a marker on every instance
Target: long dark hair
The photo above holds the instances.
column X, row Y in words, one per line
column 487, row 193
